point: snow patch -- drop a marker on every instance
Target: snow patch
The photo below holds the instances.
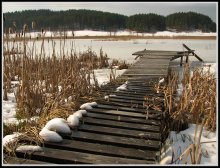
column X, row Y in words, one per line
column 122, row 87
column 10, row 138
column 88, row 106
column 177, row 143
column 50, row 136
column 73, row 121
column 29, row 148
column 58, row 125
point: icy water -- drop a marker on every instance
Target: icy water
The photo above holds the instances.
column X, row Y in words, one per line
column 206, row 49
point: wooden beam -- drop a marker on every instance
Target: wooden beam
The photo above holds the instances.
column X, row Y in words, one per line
column 192, row 51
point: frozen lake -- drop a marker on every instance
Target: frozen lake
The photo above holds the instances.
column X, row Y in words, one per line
column 206, row 49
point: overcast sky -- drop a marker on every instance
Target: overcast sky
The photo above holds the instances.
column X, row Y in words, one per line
column 125, row 8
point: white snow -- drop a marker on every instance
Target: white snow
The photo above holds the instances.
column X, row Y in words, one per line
column 29, row 148
column 116, row 33
column 177, row 143
column 103, row 75
column 122, row 87
column 78, row 114
column 73, row 121
column 84, row 112
column 166, row 160
column 58, row 125
column 10, row 138
column 88, row 106
column 161, row 81
column 107, row 97
column 50, row 136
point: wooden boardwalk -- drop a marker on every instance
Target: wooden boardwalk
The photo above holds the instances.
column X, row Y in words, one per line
column 118, row 130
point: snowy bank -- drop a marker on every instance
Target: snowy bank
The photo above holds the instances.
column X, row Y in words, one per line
column 80, row 33
column 176, row 143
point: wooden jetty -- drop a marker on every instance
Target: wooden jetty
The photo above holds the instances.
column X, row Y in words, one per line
column 119, row 130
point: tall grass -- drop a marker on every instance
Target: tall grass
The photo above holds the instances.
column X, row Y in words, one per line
column 50, row 85
column 196, row 102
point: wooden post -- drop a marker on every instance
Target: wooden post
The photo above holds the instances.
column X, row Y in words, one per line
column 187, row 58
column 191, row 51
column 181, row 60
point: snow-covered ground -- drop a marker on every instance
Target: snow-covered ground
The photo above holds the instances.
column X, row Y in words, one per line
column 177, row 143
column 116, row 33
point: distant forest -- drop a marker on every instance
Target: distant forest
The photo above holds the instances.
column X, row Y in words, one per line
column 97, row 20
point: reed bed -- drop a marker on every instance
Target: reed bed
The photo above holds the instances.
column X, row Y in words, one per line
column 50, row 86
column 194, row 102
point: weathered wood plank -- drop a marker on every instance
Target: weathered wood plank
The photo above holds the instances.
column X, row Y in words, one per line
column 126, row 109
column 117, row 112
column 119, row 132
column 142, row 75
column 123, row 118
column 116, row 140
column 102, row 149
column 70, row 157
column 119, row 124
column 137, row 95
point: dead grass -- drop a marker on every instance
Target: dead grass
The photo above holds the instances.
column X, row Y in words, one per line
column 50, row 86
column 197, row 101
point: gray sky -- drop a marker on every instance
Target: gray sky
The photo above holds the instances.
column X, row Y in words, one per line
column 125, row 8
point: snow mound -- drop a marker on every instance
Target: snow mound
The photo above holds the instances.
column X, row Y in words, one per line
column 10, row 138
column 84, row 112
column 29, row 148
column 122, row 87
column 78, row 114
column 166, row 160
column 59, row 125
column 88, row 106
column 73, row 121
column 50, row 136
column 161, row 81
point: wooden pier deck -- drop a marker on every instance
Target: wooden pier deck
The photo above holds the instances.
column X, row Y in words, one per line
column 118, row 130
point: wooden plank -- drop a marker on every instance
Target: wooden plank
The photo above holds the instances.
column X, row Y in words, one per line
column 123, row 119
column 150, row 74
column 134, row 106
column 192, row 51
column 133, row 102
column 102, row 149
column 119, row 124
column 148, row 71
column 136, row 94
column 15, row 160
column 119, row 132
column 141, row 88
column 70, row 157
column 117, row 112
column 127, row 109
column 128, row 98
column 116, row 140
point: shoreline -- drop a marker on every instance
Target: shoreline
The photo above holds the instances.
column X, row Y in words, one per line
column 116, row 38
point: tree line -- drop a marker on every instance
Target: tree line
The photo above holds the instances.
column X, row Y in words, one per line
column 106, row 21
